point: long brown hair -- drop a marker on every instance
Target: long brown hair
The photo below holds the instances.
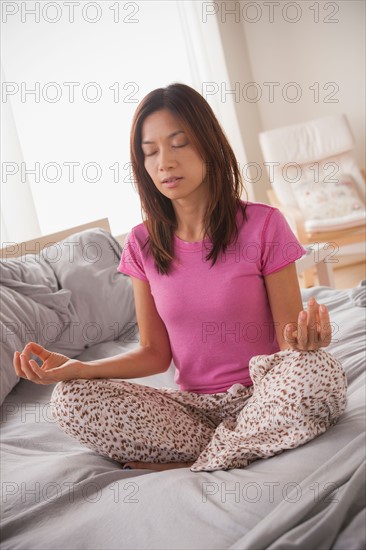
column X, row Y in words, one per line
column 226, row 186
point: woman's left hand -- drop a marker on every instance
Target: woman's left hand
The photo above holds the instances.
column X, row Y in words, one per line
column 313, row 329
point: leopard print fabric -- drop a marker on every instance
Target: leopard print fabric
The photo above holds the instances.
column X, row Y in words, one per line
column 295, row 397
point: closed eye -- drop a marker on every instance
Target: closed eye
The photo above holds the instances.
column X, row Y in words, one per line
column 179, row 146
column 173, row 147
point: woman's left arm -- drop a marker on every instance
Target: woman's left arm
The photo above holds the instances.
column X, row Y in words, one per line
column 295, row 328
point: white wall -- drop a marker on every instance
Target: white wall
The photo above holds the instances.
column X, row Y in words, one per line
column 307, row 52
column 263, row 47
column 139, row 56
column 209, row 48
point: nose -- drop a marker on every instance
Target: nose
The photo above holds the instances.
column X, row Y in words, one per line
column 166, row 159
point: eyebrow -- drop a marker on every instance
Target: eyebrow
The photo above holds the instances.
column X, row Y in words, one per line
column 169, row 136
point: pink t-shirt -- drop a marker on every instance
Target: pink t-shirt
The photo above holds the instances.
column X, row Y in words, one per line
column 217, row 317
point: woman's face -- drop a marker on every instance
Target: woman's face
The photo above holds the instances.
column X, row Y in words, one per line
column 174, row 165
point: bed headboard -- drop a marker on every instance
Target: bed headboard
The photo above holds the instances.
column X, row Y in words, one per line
column 34, row 246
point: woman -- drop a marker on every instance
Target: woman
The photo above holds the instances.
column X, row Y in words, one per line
column 216, row 290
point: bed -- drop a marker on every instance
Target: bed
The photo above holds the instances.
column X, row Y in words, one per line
column 57, row 494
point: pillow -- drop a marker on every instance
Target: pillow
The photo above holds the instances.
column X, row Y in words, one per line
column 10, row 342
column 32, row 308
column 102, row 298
column 330, row 200
column 67, row 298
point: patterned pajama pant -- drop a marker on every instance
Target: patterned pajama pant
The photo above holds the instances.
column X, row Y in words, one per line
column 295, row 397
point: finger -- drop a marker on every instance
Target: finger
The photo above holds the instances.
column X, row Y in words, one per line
column 312, row 328
column 33, row 372
column 302, row 331
column 17, row 365
column 29, row 372
column 26, row 351
column 37, row 349
column 43, row 377
column 325, row 326
column 291, row 335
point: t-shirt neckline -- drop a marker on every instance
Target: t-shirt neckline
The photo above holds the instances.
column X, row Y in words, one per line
column 195, row 245
column 189, row 245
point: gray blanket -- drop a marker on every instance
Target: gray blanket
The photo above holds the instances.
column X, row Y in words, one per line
column 58, row 494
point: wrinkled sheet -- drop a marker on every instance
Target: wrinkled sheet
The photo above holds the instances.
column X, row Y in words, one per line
column 58, row 494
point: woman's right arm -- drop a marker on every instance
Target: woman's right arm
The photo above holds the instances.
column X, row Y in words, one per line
column 151, row 357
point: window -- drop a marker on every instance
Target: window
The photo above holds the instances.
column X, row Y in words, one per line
column 73, row 77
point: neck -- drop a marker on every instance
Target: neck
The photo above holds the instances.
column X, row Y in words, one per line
column 189, row 213
column 189, row 220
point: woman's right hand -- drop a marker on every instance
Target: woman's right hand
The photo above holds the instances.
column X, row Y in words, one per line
column 55, row 367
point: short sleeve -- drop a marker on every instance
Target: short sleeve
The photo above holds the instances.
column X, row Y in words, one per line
column 279, row 245
column 131, row 262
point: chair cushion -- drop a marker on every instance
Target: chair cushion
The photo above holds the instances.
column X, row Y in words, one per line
column 335, row 224
column 307, row 142
column 317, row 148
column 328, row 205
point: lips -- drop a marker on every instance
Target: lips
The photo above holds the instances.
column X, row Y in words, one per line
column 171, row 182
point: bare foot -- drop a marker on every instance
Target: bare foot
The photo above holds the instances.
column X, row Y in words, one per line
column 156, row 467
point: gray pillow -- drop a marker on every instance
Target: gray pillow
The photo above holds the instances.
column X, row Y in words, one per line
column 102, row 301
column 32, row 308
column 66, row 298
column 10, row 342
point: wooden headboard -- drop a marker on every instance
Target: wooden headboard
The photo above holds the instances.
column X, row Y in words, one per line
column 34, row 246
